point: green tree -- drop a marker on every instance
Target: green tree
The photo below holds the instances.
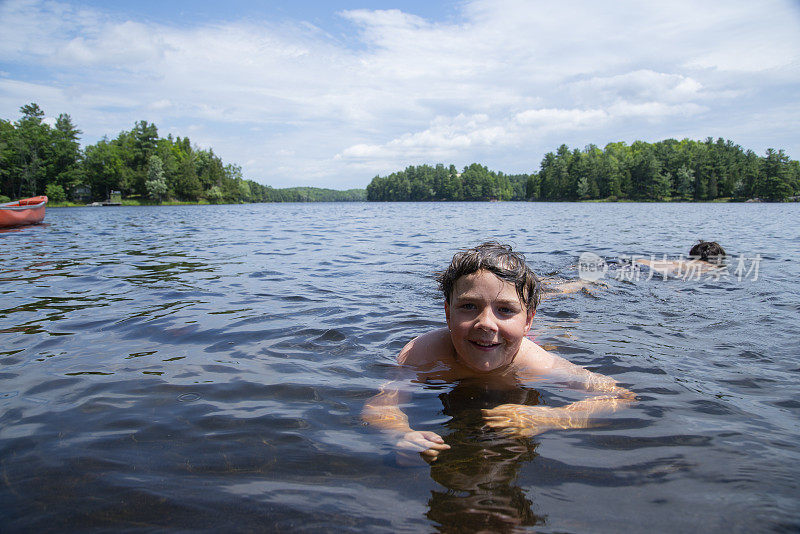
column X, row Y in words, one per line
column 144, row 138
column 475, row 182
column 662, row 186
column 750, row 164
column 7, row 158
column 156, row 184
column 245, row 192
column 376, row 190
column 775, row 176
column 454, row 189
column 32, row 154
column 645, row 170
column 210, row 170
column 713, row 189
column 794, row 177
column 583, row 187
column 215, row 195
column 421, row 183
column 700, row 187
column 594, row 167
column 187, row 185
column 55, row 193
column 67, row 171
column 519, row 183
column 103, row 168
column 684, row 180
column 619, row 181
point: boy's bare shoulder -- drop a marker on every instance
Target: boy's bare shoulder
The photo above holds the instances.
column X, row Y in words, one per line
column 429, row 347
column 534, row 359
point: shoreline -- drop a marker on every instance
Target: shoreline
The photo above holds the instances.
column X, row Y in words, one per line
column 127, row 202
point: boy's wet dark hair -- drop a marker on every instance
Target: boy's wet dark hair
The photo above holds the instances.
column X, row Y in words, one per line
column 709, row 251
column 498, row 259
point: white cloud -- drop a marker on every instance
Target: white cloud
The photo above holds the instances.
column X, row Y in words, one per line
column 162, row 104
column 561, row 119
column 653, row 110
column 128, row 43
column 639, row 85
column 15, row 93
column 509, row 79
column 445, row 137
column 360, row 151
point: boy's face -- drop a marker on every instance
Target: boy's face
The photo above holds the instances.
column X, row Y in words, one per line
column 487, row 321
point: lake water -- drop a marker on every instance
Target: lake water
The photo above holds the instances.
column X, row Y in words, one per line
column 204, row 368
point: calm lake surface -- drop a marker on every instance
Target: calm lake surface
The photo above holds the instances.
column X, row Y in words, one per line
column 204, row 368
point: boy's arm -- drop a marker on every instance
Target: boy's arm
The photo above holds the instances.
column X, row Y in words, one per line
column 555, row 285
column 530, row 420
column 526, row 421
column 582, row 378
column 383, row 411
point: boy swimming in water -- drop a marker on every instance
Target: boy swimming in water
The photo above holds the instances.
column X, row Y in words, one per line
column 491, row 296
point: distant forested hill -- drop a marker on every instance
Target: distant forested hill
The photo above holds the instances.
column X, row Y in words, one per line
column 310, row 194
column 36, row 159
column 666, row 170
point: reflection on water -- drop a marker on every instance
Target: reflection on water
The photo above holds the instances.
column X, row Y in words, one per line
column 204, row 368
column 480, row 470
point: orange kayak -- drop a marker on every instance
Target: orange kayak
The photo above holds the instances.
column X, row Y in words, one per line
column 21, row 212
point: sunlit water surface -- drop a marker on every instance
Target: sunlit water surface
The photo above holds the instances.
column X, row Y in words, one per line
column 204, row 368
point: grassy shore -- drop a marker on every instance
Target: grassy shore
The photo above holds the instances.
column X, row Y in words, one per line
column 129, row 202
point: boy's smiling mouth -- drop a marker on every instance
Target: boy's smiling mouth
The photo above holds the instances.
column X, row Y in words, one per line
column 484, row 345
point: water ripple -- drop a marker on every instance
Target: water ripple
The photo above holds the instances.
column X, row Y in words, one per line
column 199, row 367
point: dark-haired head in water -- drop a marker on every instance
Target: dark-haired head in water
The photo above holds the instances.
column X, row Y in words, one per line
column 709, row 251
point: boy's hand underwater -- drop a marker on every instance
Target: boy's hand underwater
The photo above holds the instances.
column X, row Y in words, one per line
column 415, row 443
column 526, row 421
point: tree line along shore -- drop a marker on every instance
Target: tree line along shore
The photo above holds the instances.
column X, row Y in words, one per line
column 36, row 158
column 668, row 170
column 143, row 167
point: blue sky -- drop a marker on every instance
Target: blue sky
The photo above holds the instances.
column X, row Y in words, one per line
column 333, row 93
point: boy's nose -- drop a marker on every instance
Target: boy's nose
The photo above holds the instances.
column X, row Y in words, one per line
column 486, row 320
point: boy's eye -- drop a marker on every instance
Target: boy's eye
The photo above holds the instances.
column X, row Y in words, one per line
column 507, row 310
column 467, row 306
